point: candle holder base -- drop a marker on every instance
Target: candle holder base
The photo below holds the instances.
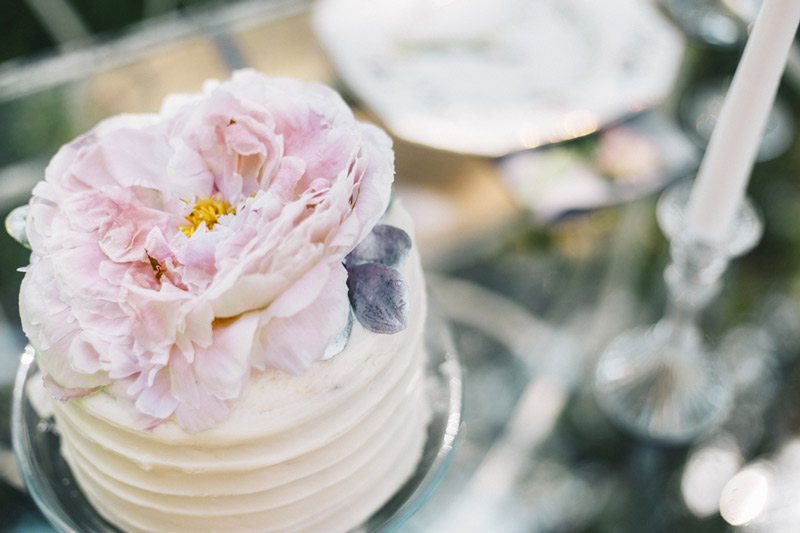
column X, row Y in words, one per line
column 661, row 389
column 661, row 382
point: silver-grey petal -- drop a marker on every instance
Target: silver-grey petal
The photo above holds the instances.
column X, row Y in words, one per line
column 16, row 225
column 339, row 342
column 379, row 297
column 385, row 244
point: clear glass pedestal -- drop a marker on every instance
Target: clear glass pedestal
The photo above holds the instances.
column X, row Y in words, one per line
column 662, row 382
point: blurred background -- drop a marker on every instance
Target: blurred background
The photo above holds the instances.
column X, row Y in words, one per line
column 532, row 139
column 32, row 27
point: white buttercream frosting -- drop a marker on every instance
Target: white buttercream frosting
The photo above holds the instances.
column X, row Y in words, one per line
column 321, row 451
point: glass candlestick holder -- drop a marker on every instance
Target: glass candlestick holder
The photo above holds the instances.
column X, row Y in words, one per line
column 662, row 382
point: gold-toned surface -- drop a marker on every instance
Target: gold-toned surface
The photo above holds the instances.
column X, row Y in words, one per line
column 140, row 86
column 285, row 48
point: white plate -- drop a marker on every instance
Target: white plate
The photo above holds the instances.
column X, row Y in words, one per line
column 490, row 77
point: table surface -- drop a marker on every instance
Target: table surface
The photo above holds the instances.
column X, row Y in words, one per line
column 531, row 305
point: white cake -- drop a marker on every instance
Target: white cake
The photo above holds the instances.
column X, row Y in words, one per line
column 314, row 438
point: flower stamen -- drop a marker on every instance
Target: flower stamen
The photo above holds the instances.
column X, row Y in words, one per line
column 206, row 210
column 157, row 267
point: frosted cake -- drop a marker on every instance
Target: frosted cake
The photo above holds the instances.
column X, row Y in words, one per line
column 228, row 312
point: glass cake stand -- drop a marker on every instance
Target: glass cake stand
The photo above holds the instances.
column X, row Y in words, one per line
column 54, row 489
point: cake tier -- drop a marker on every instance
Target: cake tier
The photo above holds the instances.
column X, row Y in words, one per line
column 317, row 452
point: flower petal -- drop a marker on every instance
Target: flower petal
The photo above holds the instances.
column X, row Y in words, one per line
column 302, row 292
column 385, row 244
column 204, row 414
column 379, row 297
column 223, row 366
column 293, row 343
column 156, row 399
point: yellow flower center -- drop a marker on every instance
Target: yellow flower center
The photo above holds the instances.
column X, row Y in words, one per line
column 206, row 210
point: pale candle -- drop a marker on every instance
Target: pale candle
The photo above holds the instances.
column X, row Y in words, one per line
column 722, row 178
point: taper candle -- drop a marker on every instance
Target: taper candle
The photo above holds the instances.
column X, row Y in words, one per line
column 724, row 172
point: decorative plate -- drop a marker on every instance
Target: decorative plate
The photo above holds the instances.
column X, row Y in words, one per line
column 492, row 77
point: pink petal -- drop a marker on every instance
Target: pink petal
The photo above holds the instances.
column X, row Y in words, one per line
column 156, row 400
column 242, row 140
column 118, row 241
column 223, row 367
column 199, row 258
column 205, row 414
column 83, row 356
column 122, row 363
column 293, row 343
column 290, row 172
column 302, row 292
column 248, row 292
column 183, row 382
column 199, row 323
column 52, row 329
column 136, row 156
column 187, row 173
column 63, row 394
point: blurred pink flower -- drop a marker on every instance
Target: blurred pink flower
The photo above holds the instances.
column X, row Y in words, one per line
column 625, row 154
column 176, row 252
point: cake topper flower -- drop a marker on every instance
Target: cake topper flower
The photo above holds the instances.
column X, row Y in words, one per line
column 174, row 253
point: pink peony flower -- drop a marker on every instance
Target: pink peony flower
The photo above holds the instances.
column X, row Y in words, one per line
column 175, row 253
